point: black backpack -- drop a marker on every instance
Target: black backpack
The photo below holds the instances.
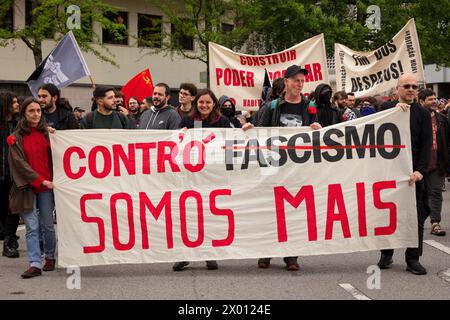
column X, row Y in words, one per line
column 90, row 119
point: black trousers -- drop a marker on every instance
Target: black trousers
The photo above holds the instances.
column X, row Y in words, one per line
column 8, row 222
column 5, row 186
column 423, row 211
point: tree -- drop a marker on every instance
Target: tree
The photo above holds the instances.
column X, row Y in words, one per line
column 49, row 18
column 199, row 21
column 432, row 25
column 281, row 24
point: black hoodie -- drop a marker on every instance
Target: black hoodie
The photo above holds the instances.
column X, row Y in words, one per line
column 235, row 123
column 327, row 113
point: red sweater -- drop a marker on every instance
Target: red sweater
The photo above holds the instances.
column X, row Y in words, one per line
column 36, row 149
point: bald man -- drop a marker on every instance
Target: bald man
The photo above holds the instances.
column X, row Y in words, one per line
column 421, row 141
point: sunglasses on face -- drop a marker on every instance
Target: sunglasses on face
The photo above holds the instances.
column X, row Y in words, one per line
column 410, row 86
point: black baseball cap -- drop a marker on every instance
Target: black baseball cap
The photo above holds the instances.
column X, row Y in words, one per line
column 293, row 70
column 78, row 109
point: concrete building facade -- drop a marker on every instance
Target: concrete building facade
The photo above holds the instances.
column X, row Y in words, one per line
column 17, row 60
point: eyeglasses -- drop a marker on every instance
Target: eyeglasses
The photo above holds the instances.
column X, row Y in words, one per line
column 409, row 86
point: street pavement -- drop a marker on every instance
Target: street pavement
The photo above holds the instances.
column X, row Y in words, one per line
column 330, row 277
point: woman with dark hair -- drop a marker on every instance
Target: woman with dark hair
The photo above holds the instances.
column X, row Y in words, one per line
column 9, row 109
column 206, row 110
column 31, row 193
column 205, row 113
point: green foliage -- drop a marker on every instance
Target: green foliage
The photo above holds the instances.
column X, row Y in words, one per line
column 49, row 18
column 281, row 24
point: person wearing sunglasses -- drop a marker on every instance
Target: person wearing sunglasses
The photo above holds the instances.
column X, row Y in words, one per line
column 421, row 142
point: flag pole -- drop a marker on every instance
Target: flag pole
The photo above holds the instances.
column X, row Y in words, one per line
column 92, row 81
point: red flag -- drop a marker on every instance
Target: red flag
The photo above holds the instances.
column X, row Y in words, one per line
column 140, row 86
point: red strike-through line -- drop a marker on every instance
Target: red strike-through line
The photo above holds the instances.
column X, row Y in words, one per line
column 387, row 146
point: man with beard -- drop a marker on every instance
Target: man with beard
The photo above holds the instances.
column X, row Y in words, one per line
column 340, row 100
column 104, row 115
column 439, row 162
column 161, row 115
column 57, row 111
column 133, row 108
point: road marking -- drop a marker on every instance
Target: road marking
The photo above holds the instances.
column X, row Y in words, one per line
column 445, row 275
column 438, row 246
column 358, row 295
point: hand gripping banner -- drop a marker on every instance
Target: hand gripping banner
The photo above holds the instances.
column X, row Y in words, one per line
column 136, row 196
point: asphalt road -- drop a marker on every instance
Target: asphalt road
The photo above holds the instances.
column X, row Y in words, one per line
column 342, row 277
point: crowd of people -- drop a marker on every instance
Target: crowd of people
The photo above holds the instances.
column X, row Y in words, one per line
column 26, row 187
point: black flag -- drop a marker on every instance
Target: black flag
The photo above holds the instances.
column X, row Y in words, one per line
column 267, row 85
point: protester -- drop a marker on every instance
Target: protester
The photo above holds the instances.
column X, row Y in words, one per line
column 119, row 99
column 274, row 93
column 146, row 104
column 104, row 115
column 290, row 110
column 421, row 142
column 186, row 97
column 57, row 111
column 327, row 113
column 351, row 104
column 78, row 114
column 204, row 114
column 393, row 94
column 228, row 109
column 31, row 170
column 368, row 106
column 133, row 107
column 161, row 115
column 9, row 110
column 439, row 162
column 340, row 100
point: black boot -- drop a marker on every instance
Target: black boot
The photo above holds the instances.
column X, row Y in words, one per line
column 9, row 249
column 15, row 242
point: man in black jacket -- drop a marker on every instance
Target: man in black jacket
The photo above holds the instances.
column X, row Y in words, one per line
column 439, row 163
column 421, row 140
column 57, row 111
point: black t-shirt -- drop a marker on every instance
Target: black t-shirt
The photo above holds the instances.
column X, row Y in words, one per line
column 291, row 115
column 52, row 119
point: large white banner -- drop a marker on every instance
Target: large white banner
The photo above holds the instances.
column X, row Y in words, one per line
column 136, row 196
column 241, row 76
column 376, row 72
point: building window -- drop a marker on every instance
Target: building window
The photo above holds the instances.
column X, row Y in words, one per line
column 7, row 20
column 149, row 30
column 226, row 27
column 29, row 7
column 181, row 40
column 120, row 34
